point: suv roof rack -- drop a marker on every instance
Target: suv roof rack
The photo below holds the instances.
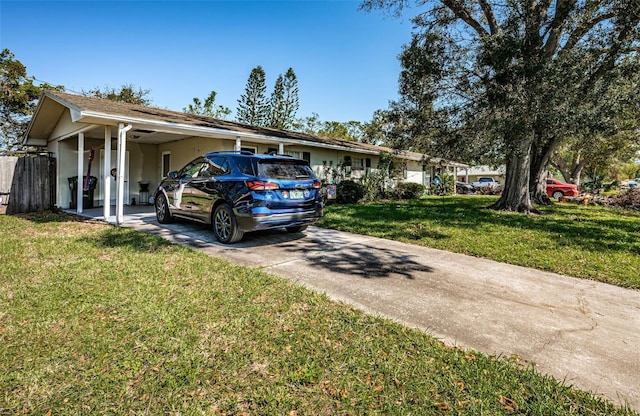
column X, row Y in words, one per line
column 237, row 152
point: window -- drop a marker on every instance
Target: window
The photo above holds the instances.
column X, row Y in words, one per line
column 191, row 170
column 248, row 149
column 347, row 166
column 288, row 169
column 245, row 165
column 357, row 163
column 218, row 166
column 166, row 164
column 299, row 155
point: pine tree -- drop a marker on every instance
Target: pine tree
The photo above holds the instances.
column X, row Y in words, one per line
column 290, row 102
column 253, row 107
column 277, row 103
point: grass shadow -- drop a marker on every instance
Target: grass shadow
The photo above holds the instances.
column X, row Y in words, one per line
column 115, row 237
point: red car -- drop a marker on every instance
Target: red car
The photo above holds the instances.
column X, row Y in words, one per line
column 556, row 189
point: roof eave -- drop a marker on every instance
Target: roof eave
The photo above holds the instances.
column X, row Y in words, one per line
column 167, row 127
column 39, row 142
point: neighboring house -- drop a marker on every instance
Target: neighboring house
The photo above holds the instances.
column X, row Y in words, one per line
column 474, row 173
column 134, row 145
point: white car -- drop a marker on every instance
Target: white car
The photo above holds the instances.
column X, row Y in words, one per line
column 629, row 185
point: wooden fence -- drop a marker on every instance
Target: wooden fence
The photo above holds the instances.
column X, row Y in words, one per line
column 27, row 183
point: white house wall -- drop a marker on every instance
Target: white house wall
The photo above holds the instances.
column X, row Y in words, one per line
column 185, row 150
column 142, row 167
column 65, row 127
column 415, row 177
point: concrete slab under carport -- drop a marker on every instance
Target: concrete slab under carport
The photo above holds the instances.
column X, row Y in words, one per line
column 582, row 332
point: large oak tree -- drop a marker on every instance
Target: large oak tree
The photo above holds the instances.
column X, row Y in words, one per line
column 524, row 72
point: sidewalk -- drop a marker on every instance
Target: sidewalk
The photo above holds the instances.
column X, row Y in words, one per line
column 582, row 332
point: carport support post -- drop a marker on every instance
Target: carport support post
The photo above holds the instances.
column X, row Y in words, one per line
column 80, row 182
column 280, row 148
column 122, row 148
column 238, row 144
column 106, row 174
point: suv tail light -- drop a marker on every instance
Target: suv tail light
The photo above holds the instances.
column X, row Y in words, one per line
column 317, row 184
column 262, row 186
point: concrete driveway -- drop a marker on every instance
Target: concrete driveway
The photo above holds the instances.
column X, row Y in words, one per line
column 583, row 332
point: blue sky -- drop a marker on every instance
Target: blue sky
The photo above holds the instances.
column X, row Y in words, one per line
column 345, row 59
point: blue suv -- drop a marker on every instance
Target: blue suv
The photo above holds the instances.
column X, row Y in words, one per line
column 240, row 192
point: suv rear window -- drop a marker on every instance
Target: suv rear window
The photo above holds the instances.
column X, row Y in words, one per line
column 284, row 169
column 245, row 165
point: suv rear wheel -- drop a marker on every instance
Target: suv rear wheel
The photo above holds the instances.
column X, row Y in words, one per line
column 225, row 226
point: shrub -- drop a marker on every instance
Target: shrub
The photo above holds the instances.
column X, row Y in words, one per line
column 408, row 190
column 375, row 185
column 349, row 192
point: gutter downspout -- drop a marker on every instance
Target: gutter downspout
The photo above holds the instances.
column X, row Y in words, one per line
column 122, row 148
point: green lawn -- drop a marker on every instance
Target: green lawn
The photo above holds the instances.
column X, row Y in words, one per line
column 96, row 319
column 582, row 241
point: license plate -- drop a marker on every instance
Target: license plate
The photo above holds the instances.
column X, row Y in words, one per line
column 296, row 194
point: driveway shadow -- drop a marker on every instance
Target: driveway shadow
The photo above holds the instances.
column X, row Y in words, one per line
column 318, row 247
column 333, row 251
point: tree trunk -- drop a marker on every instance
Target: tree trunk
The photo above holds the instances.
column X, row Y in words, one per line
column 576, row 173
column 538, row 179
column 570, row 176
column 538, row 187
column 559, row 163
column 515, row 195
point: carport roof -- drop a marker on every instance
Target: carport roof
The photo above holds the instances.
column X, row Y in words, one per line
column 98, row 111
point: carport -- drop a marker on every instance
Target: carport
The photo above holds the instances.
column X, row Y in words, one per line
column 92, row 123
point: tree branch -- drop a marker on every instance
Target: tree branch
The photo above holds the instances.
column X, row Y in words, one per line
column 583, row 29
column 489, row 15
column 609, row 60
column 463, row 13
column 563, row 8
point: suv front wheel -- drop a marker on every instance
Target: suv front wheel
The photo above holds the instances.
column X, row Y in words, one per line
column 225, row 226
column 162, row 210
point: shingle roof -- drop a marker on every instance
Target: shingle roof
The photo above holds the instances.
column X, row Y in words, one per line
column 135, row 111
